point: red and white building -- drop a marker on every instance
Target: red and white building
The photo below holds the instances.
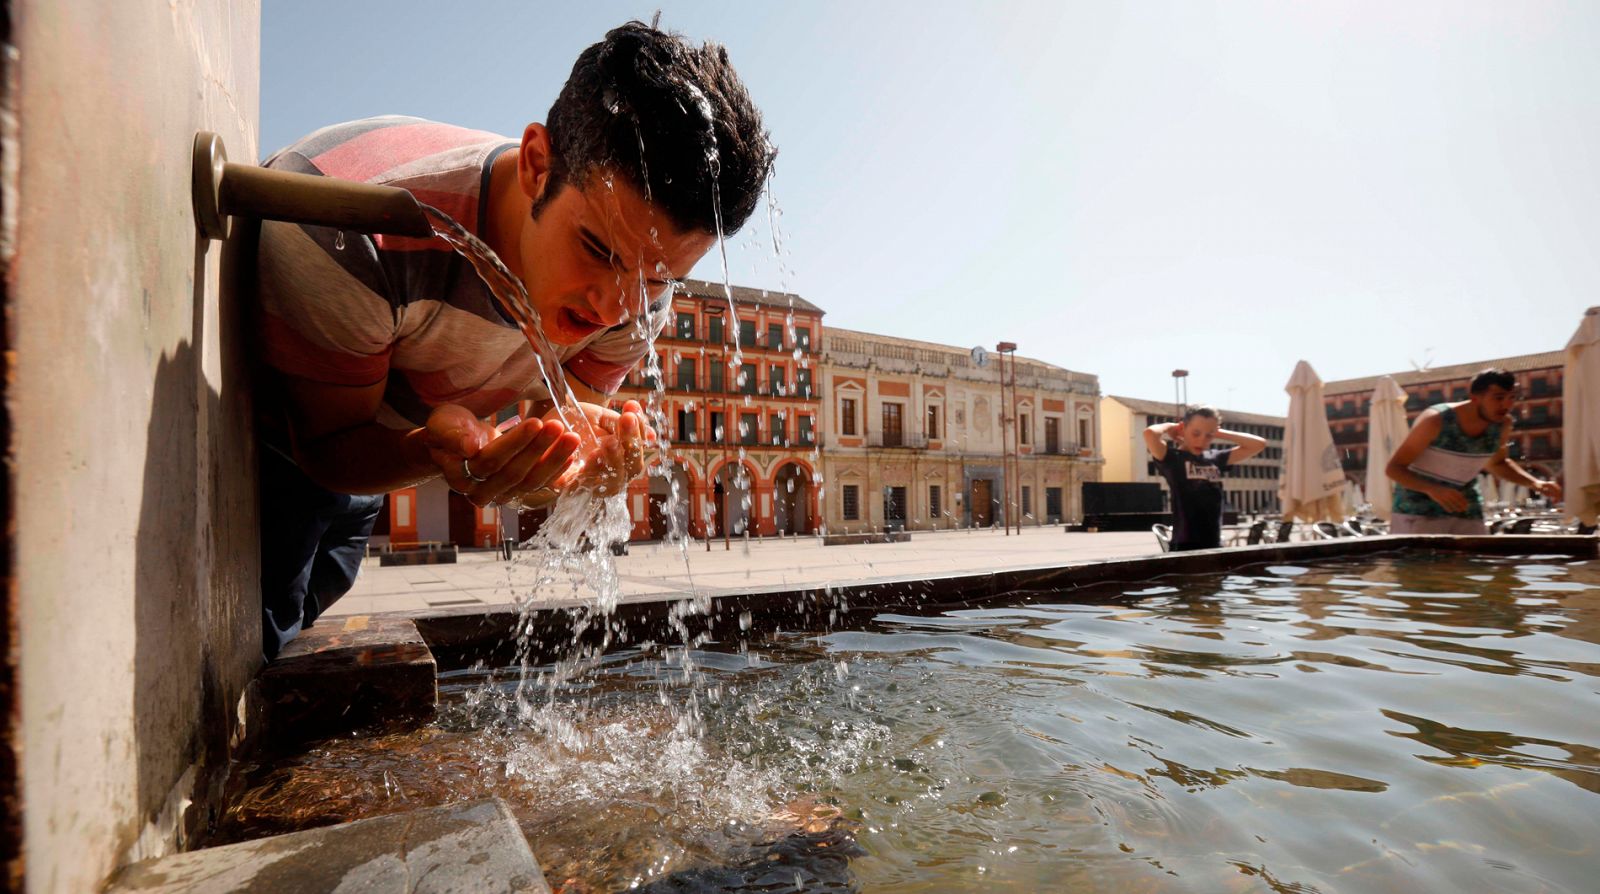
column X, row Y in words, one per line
column 739, row 430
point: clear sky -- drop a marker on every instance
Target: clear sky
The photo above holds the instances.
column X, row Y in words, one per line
column 1120, row 188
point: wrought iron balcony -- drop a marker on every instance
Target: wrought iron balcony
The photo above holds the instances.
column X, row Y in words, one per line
column 898, row 441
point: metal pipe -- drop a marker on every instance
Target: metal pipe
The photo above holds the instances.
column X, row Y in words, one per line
column 223, row 189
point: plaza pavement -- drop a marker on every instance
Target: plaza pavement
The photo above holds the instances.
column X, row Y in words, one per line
column 484, row 578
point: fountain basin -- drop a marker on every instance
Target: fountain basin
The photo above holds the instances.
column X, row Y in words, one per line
column 1341, row 692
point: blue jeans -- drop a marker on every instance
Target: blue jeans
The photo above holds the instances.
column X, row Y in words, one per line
column 312, row 543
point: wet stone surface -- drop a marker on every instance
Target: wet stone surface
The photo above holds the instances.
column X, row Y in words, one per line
column 346, row 672
column 469, row 848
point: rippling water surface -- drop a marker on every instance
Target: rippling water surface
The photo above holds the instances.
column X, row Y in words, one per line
column 1415, row 722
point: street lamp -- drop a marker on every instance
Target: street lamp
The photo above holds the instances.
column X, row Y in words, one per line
column 1013, row 457
column 1179, row 399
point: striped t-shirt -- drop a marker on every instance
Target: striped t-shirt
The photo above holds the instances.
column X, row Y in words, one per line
column 347, row 309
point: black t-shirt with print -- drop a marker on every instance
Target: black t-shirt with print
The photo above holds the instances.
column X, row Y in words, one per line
column 1196, row 484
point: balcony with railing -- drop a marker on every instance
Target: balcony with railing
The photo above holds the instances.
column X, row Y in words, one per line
column 1538, row 420
column 803, row 391
column 1541, row 452
column 893, row 440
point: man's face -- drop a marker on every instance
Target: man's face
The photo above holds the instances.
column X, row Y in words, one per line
column 597, row 254
column 1495, row 404
column 1198, row 433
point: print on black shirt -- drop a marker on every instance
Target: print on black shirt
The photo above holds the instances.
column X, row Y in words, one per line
column 1196, row 484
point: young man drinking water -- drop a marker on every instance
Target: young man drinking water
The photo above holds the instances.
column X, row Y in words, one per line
column 385, row 355
column 1193, row 469
column 1435, row 469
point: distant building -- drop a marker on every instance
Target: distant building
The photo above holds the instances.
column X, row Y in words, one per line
column 1536, row 437
column 761, row 418
column 1251, row 486
column 813, row 426
column 743, row 439
column 916, row 435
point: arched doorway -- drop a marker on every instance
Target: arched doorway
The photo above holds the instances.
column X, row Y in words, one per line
column 731, row 500
column 665, row 509
column 791, row 492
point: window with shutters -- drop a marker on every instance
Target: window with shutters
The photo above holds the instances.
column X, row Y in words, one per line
column 894, row 433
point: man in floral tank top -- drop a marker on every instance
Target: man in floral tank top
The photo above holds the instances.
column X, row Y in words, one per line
column 1436, row 468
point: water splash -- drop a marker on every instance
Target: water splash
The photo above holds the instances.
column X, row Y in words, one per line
column 575, row 564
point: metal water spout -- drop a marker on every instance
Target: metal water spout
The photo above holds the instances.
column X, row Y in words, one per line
column 223, row 189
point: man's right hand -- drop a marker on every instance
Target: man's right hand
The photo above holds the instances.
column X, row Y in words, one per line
column 1451, row 499
column 504, row 467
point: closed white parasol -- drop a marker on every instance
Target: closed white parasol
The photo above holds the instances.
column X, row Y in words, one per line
column 1580, row 429
column 1387, row 429
column 1313, row 481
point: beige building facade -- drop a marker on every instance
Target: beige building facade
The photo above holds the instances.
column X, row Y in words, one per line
column 917, row 434
column 1250, row 488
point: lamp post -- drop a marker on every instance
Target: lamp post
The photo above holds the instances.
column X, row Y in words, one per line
column 1013, row 459
column 1179, row 377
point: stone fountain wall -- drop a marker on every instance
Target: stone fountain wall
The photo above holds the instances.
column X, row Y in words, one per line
column 132, row 600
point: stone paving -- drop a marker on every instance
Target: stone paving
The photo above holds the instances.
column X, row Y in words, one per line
column 483, row 578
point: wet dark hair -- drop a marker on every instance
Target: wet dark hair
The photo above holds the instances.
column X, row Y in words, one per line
column 1490, row 378
column 671, row 118
column 1208, row 412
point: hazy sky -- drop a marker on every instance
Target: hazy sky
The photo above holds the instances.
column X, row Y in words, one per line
column 1120, row 188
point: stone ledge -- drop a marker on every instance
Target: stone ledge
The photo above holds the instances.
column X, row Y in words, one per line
column 460, row 636
column 457, row 849
column 873, row 537
column 443, row 556
column 344, row 673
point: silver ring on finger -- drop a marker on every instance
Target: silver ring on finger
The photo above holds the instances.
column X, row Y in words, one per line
column 467, row 471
